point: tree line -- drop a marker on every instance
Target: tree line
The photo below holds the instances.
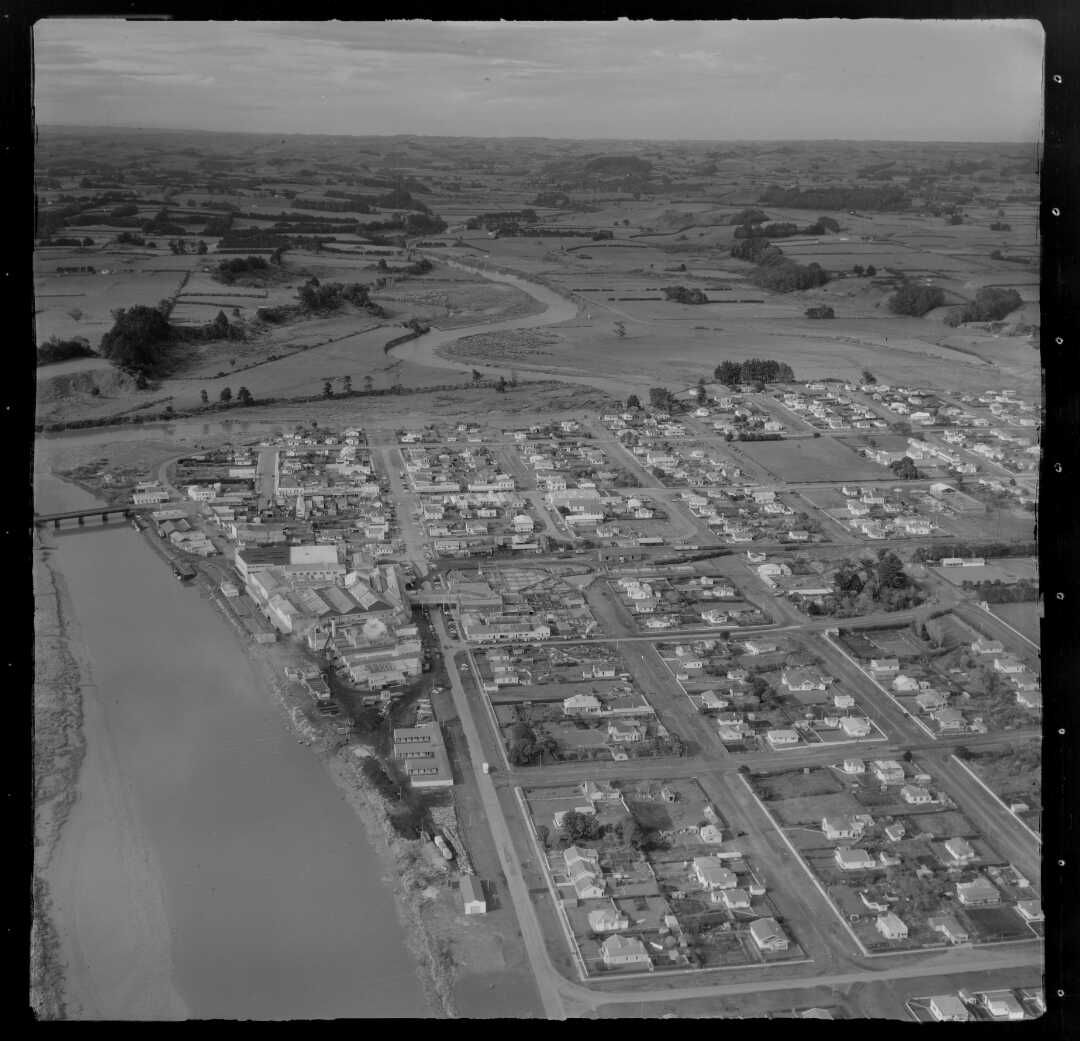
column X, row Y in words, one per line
column 753, row 370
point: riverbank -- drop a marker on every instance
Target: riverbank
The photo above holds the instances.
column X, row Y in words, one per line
column 59, row 747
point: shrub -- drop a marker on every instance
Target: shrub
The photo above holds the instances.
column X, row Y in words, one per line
column 915, row 300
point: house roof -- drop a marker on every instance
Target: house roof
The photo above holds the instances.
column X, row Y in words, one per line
column 623, row 945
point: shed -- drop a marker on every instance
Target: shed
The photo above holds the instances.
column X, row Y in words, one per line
column 472, row 895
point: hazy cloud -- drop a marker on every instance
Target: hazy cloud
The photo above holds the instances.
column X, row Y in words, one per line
column 975, row 80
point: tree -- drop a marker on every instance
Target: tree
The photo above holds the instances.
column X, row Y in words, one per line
column 620, row 329
column 868, row 376
column 905, row 468
column 727, row 373
column 633, row 402
column 87, row 241
column 327, row 389
column 243, row 395
column 858, row 269
column 368, row 384
column 137, row 340
column 700, row 394
column 889, row 571
column 347, row 384
column 501, row 385
column 477, row 376
column 201, row 248
column 581, row 826
column 204, row 397
column 871, row 271
column 915, row 300
column 226, row 394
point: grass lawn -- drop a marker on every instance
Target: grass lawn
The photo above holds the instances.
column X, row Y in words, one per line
column 812, row 459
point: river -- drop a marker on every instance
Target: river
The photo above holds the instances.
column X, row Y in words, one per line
column 205, row 839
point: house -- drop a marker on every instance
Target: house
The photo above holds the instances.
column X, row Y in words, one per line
column 853, row 766
column 980, row 892
column 712, row 874
column 582, row 705
column 1009, row 665
column 782, row 738
column 735, row 899
column 960, row 851
column 759, row 647
column 711, row 834
column 949, row 927
column 472, row 895
column 803, row 679
column 985, row 646
column 623, row 950
column 895, row 832
column 888, row 771
column 625, row 732
column 1030, row 699
column 915, row 795
column 949, row 720
column 948, row 1008
column 840, row 828
column 768, row 935
column 855, row 726
column 884, row 665
column 843, row 701
column 1030, row 910
column 904, row 683
column 1002, row 1004
column 930, row 701
column 607, row 920
column 891, row 926
column 712, row 701
column 848, row 859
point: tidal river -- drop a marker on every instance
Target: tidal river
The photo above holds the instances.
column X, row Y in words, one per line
column 210, row 867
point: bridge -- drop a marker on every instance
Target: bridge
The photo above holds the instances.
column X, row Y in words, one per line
column 104, row 512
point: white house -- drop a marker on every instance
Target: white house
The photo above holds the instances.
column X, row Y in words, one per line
column 582, row 705
column 915, row 795
column 960, row 851
column 768, row 935
column 1002, row 1004
column 841, row 827
column 948, row 1008
column 624, row 951
column 855, row 726
column 853, row 766
column 712, row 874
column 891, row 926
column 848, row 859
column 888, row 771
column 782, row 738
column 607, row 920
column 980, row 892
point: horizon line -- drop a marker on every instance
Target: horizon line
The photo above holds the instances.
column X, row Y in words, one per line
column 536, row 137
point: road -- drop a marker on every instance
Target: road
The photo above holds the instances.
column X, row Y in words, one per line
column 266, row 477
column 547, row 979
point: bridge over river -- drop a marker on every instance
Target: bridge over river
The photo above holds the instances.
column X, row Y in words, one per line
column 104, row 512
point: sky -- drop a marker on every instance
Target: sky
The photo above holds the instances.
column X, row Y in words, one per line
column 870, row 79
